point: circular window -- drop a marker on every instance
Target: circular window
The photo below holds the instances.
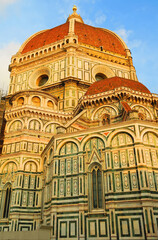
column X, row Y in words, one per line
column 39, row 77
column 41, row 80
column 100, row 76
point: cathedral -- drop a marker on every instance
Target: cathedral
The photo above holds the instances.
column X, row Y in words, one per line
column 79, row 140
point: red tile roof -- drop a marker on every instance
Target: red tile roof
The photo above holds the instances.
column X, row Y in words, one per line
column 98, row 37
column 86, row 34
column 47, row 37
column 115, row 82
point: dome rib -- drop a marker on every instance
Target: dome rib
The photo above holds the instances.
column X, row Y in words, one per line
column 89, row 35
column 99, row 37
column 47, row 37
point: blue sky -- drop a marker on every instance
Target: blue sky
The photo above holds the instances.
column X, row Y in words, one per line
column 135, row 21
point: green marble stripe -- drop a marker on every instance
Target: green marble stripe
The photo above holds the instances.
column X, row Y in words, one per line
column 54, row 204
column 141, row 177
column 112, row 222
column 155, row 180
column 26, row 189
column 129, row 177
column 81, row 222
column 113, row 182
column 22, row 212
column 131, row 193
column 127, row 209
column 129, row 214
column 131, row 198
column 146, row 180
column 131, row 168
column 53, row 224
column 68, row 217
column 152, row 222
column 66, row 198
column 18, row 207
column 121, row 181
column 147, row 221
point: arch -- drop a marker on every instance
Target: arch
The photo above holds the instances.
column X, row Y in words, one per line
column 94, row 141
column 30, row 161
column 14, row 126
column 65, row 142
column 50, row 104
column 51, row 127
column 92, row 136
column 20, row 101
column 54, row 122
column 34, row 119
column 92, row 164
column 68, row 148
column 124, row 139
column 109, row 106
column 148, row 130
column 30, row 166
column 34, row 125
column 113, row 134
column 141, row 106
column 9, row 166
column 36, row 101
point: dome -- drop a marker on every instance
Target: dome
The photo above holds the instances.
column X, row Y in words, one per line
column 88, row 35
column 115, row 82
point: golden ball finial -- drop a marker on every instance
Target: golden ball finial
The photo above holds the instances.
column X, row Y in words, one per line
column 74, row 8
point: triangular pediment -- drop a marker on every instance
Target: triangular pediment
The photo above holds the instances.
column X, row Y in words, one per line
column 94, row 156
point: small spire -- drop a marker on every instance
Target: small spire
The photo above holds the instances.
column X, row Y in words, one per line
column 75, row 15
column 74, row 9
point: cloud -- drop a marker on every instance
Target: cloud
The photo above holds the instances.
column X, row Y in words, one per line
column 135, row 43
column 89, row 22
column 124, row 34
column 5, row 56
column 6, row 3
column 100, row 19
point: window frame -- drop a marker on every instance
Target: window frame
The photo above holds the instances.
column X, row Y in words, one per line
column 92, row 168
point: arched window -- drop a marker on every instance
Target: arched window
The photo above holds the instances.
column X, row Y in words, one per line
column 15, row 126
column 7, row 198
column 35, row 125
column 36, row 101
column 50, row 104
column 20, row 101
column 30, row 167
column 97, row 188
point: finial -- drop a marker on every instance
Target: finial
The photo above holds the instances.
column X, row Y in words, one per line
column 74, row 9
